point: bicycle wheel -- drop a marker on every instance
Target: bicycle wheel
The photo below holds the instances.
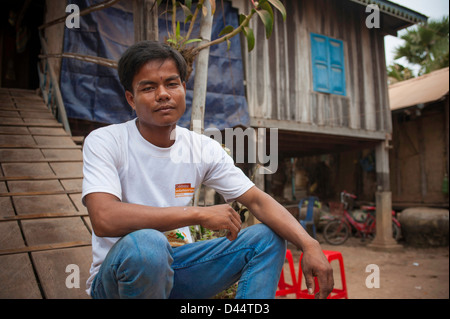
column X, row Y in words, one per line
column 396, row 232
column 336, row 232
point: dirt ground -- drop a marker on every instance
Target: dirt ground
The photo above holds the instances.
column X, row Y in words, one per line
column 410, row 273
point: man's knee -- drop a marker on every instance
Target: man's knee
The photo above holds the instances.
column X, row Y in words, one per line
column 147, row 246
column 147, row 235
column 142, row 267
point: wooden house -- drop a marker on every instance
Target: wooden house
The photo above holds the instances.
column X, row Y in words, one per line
column 419, row 157
column 321, row 80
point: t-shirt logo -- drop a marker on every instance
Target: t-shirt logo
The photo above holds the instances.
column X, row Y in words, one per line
column 184, row 190
column 176, row 238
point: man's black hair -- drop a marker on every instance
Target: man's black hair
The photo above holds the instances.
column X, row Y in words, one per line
column 142, row 52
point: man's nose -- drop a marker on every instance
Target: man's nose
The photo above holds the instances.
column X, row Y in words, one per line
column 162, row 94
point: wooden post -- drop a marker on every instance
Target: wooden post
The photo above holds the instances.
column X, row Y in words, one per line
column 422, row 164
column 57, row 92
column 446, row 133
column 145, row 19
column 201, row 73
column 383, row 239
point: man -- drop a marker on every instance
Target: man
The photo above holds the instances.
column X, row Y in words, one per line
column 138, row 197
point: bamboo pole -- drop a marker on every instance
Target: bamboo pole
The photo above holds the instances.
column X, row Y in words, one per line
column 200, row 80
column 93, row 8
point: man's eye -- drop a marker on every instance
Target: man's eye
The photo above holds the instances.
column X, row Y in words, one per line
column 148, row 88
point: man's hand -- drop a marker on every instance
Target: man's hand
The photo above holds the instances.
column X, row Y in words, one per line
column 221, row 217
column 315, row 264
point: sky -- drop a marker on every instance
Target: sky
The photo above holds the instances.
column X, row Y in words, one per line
column 433, row 9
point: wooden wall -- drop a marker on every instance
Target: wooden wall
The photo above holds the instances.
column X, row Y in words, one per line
column 419, row 157
column 279, row 71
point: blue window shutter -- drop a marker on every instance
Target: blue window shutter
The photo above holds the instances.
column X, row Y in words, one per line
column 328, row 64
column 320, row 63
column 337, row 67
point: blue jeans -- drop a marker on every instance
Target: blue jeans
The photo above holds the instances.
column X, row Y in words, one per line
column 143, row 265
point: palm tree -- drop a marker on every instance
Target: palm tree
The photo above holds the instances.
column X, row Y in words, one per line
column 427, row 46
column 398, row 72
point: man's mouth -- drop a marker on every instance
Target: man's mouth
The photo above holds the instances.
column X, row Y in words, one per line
column 164, row 108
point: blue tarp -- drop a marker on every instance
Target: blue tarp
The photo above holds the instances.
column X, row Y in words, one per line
column 93, row 92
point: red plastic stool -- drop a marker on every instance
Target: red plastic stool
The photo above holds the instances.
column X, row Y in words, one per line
column 284, row 288
column 336, row 293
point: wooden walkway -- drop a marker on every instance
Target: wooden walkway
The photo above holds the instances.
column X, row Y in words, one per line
column 44, row 228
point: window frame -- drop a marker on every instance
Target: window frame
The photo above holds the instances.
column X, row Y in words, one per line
column 328, row 65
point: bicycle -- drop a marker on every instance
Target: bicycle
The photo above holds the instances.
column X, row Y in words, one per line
column 342, row 224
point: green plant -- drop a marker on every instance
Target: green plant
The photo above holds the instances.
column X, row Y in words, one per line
column 182, row 42
column 426, row 45
column 398, row 72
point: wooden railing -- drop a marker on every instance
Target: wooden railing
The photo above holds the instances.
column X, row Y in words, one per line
column 48, row 83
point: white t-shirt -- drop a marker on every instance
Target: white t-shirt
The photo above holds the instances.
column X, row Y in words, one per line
column 119, row 161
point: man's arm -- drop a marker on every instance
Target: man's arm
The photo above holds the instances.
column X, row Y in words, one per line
column 112, row 218
column 274, row 215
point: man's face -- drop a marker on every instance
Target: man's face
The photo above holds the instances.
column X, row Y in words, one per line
column 158, row 95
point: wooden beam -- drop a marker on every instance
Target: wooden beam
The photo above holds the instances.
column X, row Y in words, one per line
column 42, row 161
column 25, row 110
column 37, row 178
column 41, row 146
column 42, row 215
column 61, row 192
column 56, row 90
column 422, row 164
column 446, row 133
column 56, row 124
column 43, row 247
column 320, row 130
column 145, row 19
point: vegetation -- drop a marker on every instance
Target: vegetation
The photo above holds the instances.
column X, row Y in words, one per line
column 186, row 44
column 398, row 72
column 426, row 46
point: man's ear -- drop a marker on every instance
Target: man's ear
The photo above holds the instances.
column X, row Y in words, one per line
column 130, row 99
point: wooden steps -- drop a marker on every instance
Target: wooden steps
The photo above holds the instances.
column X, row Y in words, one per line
column 43, row 225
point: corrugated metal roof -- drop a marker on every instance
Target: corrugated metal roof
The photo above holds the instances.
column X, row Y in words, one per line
column 424, row 89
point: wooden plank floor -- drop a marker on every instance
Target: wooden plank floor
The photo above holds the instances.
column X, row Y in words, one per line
column 44, row 228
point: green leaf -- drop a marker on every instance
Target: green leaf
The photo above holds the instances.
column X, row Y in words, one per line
column 226, row 30
column 193, row 40
column 188, row 18
column 250, row 38
column 242, row 17
column 187, row 12
column 268, row 8
column 228, row 45
column 188, row 3
column 267, row 19
column 280, row 7
column 178, row 33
